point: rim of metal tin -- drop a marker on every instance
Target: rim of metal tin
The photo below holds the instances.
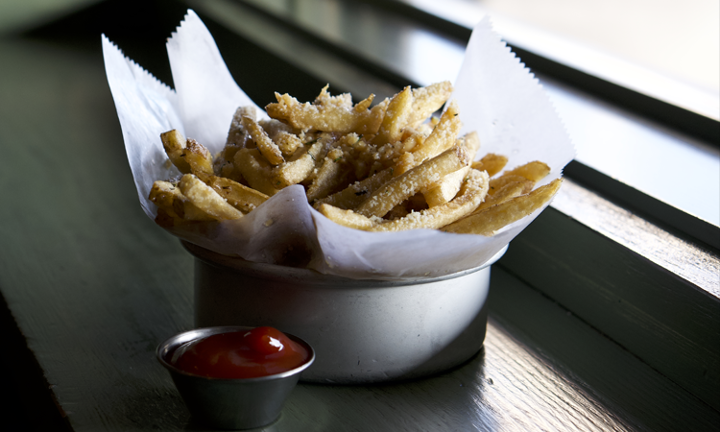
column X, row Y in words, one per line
column 277, row 272
column 173, row 343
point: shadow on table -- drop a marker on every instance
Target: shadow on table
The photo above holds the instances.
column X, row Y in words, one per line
column 448, row 401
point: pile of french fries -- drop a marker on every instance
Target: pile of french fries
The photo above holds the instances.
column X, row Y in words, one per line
column 388, row 167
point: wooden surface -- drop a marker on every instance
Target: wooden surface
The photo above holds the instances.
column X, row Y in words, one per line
column 94, row 286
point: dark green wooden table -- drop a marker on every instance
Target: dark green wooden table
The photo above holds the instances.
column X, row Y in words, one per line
column 92, row 286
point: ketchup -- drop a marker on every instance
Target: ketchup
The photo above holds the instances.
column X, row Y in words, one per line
column 252, row 353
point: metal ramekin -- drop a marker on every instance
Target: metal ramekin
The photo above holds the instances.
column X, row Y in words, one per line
column 243, row 403
column 362, row 330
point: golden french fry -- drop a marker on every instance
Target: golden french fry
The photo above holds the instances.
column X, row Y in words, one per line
column 331, row 176
column 164, row 194
column 533, row 171
column 227, row 170
column 255, row 170
column 353, row 195
column 396, row 117
column 238, row 136
column 442, row 138
column 510, row 190
column 267, row 147
column 408, row 184
column 168, row 197
column 328, row 113
column 283, row 135
column 188, row 156
column 427, row 100
column 241, row 197
column 206, row 199
column 498, row 183
column 491, row 219
column 471, row 194
column 174, row 144
column 445, row 190
column 346, row 217
column 287, row 142
column 413, row 138
column 400, row 210
column 471, row 141
column 299, row 167
column 198, row 158
column 492, row 163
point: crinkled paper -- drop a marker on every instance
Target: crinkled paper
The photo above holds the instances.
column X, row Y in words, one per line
column 498, row 97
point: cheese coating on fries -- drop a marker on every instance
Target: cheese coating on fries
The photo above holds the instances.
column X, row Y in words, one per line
column 397, row 165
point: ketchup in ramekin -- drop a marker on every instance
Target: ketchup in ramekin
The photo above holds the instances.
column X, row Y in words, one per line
column 254, row 353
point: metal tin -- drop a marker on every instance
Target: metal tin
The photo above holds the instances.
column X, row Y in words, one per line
column 362, row 330
column 231, row 403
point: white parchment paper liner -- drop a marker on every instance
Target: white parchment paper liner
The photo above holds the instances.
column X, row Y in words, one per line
column 498, row 98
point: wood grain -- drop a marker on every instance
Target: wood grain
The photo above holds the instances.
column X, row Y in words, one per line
column 95, row 286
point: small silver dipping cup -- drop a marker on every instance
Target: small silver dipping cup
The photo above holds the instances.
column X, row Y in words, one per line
column 231, row 403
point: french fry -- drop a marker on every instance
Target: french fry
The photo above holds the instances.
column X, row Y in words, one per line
column 164, row 194
column 328, row 113
column 471, row 141
column 206, row 199
column 396, row 117
column 415, row 203
column 188, row 156
column 263, row 142
column 331, row 176
column 353, row 195
column 283, row 135
column 472, row 193
column 507, row 192
column 241, row 197
column 174, row 144
column 413, row 138
column 443, row 191
column 442, row 138
column 491, row 163
column 256, row 170
column 427, row 100
column 228, row 170
column 346, row 217
column 533, row 171
column 491, row 219
column 174, row 204
column 287, row 142
column 400, row 188
column 299, row 167
column 198, row 158
column 238, row 136
column 498, row 183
